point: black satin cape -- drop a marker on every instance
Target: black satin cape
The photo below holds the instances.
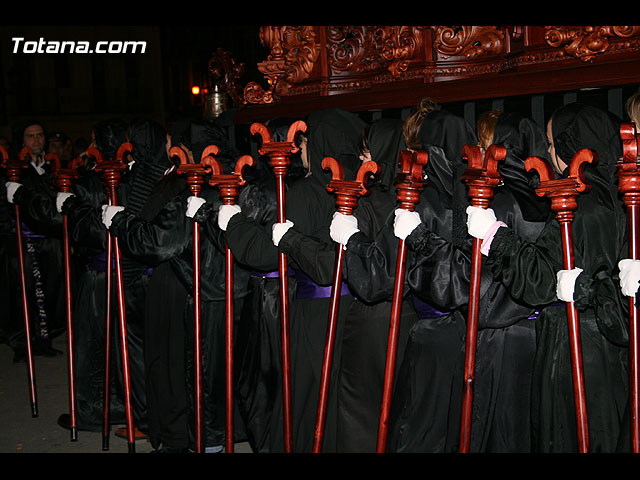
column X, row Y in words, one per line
column 529, row 269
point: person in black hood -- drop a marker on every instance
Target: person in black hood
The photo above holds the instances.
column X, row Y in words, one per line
column 147, row 164
column 533, row 273
column 88, row 237
column 364, row 344
column 506, row 336
column 309, row 207
column 418, row 420
column 161, row 236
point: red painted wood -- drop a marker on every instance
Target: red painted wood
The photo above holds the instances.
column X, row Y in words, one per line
column 111, row 171
column 629, row 184
column 64, row 179
column 409, row 183
column 279, row 158
column 13, row 168
column 347, row 195
column 563, row 195
column 481, row 178
column 229, row 186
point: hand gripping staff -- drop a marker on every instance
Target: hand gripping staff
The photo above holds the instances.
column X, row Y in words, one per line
column 63, row 179
column 563, row 193
column 13, row 167
column 195, row 173
column 409, row 183
column 229, row 188
column 111, row 174
column 629, row 184
column 481, row 177
column 279, row 154
column 347, row 194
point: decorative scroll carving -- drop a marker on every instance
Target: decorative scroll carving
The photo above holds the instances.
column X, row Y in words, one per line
column 351, row 49
column 223, row 66
column 372, row 49
column 398, row 45
column 293, row 53
column 359, row 58
column 585, row 42
column 470, row 42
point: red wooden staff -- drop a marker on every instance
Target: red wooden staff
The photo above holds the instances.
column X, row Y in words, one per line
column 481, row 177
column 63, row 179
column 13, row 167
column 195, row 173
column 279, row 158
column 347, row 194
column 629, row 185
column 111, row 174
column 106, row 391
column 563, row 193
column 229, row 187
column 409, row 184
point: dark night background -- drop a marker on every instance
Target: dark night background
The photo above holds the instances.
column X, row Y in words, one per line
column 71, row 92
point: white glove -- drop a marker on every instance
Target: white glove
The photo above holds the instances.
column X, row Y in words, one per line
column 342, row 227
column 566, row 284
column 279, row 229
column 479, row 221
column 12, row 187
column 629, row 276
column 193, row 205
column 405, row 222
column 108, row 211
column 225, row 212
column 60, row 199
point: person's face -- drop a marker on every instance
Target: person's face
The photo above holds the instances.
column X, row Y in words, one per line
column 34, row 139
column 303, row 152
column 56, row 147
column 558, row 164
column 365, row 156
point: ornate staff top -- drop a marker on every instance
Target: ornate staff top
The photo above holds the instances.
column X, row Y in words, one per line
column 194, row 172
column 481, row 175
column 13, row 165
column 348, row 191
column 111, row 169
column 628, row 168
column 278, row 152
column 562, row 191
column 410, row 181
column 63, row 176
column 229, row 184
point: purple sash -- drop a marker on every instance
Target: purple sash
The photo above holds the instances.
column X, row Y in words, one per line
column 307, row 288
column 425, row 310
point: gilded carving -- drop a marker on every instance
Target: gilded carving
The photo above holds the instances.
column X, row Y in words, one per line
column 585, row 42
column 468, row 41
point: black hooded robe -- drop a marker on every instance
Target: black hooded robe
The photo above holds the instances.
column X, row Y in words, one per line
column 529, row 271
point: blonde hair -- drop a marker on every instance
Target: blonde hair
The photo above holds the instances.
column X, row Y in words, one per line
column 633, row 108
column 485, row 127
column 411, row 126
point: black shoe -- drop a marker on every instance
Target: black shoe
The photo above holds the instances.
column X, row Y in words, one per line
column 64, row 421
